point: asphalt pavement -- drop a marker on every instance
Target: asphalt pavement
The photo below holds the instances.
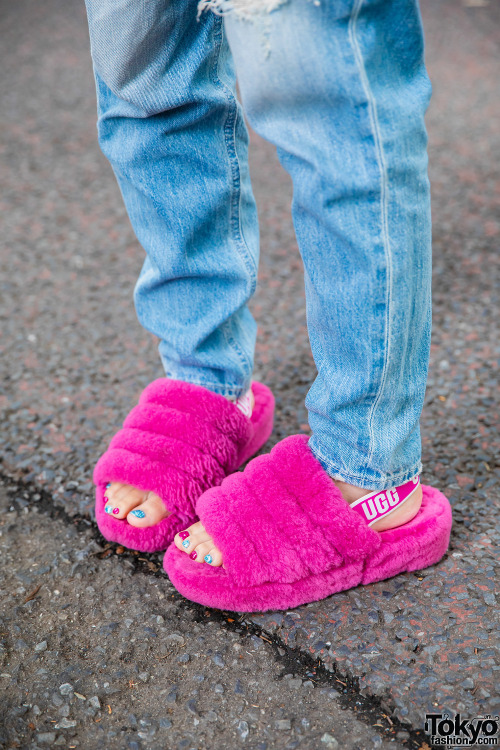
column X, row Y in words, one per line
column 97, row 649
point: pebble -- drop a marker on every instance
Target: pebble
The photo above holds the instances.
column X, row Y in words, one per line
column 165, row 723
column 468, row 683
column 42, row 646
column 219, row 688
column 172, row 696
column 211, row 716
column 238, row 688
column 295, row 683
column 66, row 688
column 95, row 702
column 65, row 724
column 283, row 724
column 175, row 638
column 329, row 741
column 183, row 658
column 243, row 729
column 218, row 660
column 47, row 738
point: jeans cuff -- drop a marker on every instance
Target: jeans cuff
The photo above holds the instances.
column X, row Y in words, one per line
column 226, row 390
column 366, row 478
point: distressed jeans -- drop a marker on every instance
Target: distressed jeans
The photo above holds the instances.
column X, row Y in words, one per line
column 340, row 88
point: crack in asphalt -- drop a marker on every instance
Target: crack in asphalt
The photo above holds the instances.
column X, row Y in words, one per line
column 368, row 709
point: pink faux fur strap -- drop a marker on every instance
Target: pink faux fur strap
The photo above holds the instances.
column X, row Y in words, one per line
column 283, row 519
column 378, row 504
column 179, row 440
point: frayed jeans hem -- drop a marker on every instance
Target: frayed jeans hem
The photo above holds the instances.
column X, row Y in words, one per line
column 383, row 482
column 228, row 391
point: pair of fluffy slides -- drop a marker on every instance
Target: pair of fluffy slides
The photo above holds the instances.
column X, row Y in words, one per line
column 286, row 535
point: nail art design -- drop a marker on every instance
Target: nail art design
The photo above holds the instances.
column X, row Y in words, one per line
column 184, row 534
column 108, row 485
column 106, row 499
column 108, row 509
column 116, row 511
column 138, row 513
column 193, row 555
column 208, row 559
column 186, row 543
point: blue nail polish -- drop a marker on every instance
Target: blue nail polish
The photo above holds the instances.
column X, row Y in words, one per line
column 208, row 559
column 108, row 509
column 138, row 513
column 186, row 543
column 108, row 485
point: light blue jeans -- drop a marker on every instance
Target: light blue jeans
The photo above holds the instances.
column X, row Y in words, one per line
column 340, row 87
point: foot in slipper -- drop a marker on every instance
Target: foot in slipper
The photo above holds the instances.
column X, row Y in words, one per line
column 142, row 508
column 180, row 440
column 282, row 533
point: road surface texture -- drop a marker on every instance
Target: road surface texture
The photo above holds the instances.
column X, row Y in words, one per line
column 98, row 650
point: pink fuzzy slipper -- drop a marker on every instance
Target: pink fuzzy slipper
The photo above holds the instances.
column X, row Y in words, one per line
column 177, row 442
column 288, row 537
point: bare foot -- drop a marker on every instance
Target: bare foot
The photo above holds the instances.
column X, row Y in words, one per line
column 199, row 545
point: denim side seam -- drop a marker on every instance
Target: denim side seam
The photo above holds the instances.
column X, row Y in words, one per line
column 384, row 188
column 230, row 139
column 240, row 244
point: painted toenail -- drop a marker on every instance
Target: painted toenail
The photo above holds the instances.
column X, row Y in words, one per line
column 186, row 543
column 138, row 513
column 184, row 534
column 193, row 555
column 106, row 499
column 108, row 509
column 116, row 511
column 108, row 485
column 208, row 559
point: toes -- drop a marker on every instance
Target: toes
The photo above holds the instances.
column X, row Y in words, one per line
column 123, row 501
column 207, row 553
column 187, row 540
column 213, row 558
column 199, row 545
column 149, row 512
